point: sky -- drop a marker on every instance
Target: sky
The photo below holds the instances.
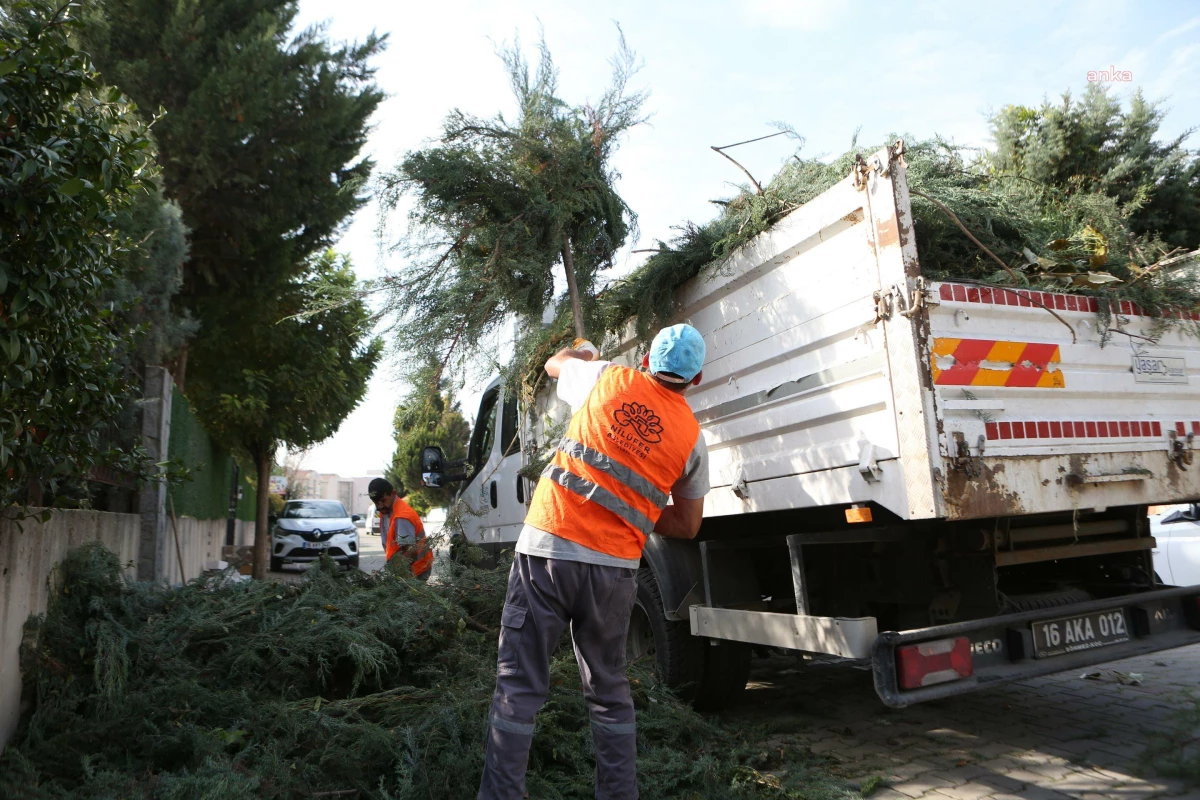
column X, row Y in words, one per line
column 724, row 72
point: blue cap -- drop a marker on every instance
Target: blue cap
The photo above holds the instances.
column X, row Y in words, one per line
column 679, row 350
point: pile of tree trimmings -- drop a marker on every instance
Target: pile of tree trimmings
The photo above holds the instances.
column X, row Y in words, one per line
column 344, row 685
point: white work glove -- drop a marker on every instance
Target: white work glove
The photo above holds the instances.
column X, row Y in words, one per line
column 584, row 346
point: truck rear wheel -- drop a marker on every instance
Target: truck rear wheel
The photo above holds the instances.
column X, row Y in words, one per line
column 678, row 656
column 710, row 676
column 726, row 670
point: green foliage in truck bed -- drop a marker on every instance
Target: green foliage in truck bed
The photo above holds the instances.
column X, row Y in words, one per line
column 1079, row 241
column 376, row 686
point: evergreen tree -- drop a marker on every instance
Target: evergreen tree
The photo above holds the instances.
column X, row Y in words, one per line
column 152, row 275
column 260, row 143
column 260, row 148
column 500, row 203
column 291, row 374
column 426, row 418
column 1093, row 145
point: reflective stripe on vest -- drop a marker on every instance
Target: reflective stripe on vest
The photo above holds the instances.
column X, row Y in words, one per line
column 594, row 458
column 612, row 474
column 599, row 495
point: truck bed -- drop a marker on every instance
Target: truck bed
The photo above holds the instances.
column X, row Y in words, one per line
column 837, row 375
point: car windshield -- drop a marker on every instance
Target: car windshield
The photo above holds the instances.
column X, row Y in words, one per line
column 313, row 509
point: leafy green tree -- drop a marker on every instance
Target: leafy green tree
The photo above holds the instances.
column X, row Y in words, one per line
column 73, row 159
column 1091, row 144
column 260, row 143
column 426, row 418
column 500, row 203
column 291, row 375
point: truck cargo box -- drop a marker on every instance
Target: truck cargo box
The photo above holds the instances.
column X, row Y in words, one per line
column 837, row 374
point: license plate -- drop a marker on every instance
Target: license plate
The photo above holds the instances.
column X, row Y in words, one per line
column 1085, row 632
column 316, row 545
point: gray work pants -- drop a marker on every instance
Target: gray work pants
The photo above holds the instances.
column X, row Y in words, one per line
column 544, row 596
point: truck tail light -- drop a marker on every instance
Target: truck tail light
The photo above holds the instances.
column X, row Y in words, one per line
column 928, row 663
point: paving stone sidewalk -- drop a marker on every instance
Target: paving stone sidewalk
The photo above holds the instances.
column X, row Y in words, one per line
column 1055, row 738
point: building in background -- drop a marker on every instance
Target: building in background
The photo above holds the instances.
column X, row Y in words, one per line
column 304, row 484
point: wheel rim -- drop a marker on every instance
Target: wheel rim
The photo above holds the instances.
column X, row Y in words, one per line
column 640, row 640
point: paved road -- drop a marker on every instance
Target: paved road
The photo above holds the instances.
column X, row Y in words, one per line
column 1055, row 738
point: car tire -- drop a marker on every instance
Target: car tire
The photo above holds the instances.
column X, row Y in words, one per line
column 276, row 564
column 352, row 562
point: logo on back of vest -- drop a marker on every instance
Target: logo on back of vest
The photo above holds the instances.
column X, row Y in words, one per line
column 644, row 422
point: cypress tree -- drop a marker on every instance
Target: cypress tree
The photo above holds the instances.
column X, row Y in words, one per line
column 500, row 203
column 261, row 137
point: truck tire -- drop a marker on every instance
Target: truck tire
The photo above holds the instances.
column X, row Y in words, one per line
column 1039, row 600
column 726, row 670
column 678, row 656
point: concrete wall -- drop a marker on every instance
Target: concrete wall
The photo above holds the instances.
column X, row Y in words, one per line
column 200, row 541
column 29, row 551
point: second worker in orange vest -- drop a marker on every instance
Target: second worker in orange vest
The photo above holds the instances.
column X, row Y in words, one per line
column 401, row 528
column 633, row 443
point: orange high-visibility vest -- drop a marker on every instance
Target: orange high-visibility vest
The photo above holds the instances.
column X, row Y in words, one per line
column 612, row 475
column 424, row 556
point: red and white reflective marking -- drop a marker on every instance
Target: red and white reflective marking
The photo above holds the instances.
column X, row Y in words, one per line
column 930, row 663
column 1086, row 429
column 989, row 295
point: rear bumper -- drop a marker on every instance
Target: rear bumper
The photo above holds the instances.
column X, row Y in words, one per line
column 1002, row 648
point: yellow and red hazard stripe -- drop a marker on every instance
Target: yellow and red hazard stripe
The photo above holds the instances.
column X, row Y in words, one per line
column 961, row 362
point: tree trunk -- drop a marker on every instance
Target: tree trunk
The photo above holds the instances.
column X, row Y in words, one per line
column 572, row 287
column 180, row 367
column 262, row 538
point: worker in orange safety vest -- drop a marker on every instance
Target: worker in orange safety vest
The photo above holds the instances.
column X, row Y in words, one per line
column 633, row 444
column 401, row 528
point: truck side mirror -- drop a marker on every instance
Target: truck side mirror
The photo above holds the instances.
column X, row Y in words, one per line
column 432, row 469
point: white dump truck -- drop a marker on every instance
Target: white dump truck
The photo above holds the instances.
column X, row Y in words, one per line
column 943, row 480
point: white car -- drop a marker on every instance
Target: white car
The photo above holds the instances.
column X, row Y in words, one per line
column 307, row 528
column 1177, row 552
